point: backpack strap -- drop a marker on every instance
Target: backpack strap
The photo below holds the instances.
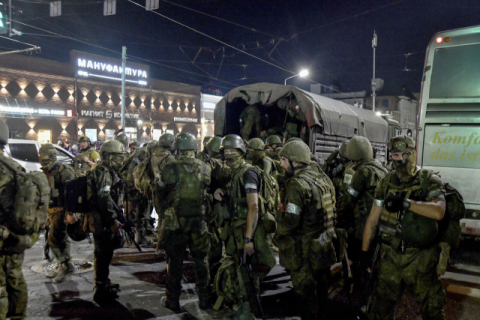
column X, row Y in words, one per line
column 8, row 163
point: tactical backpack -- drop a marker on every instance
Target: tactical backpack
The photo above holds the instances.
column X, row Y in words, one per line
column 268, row 201
column 77, row 195
column 449, row 229
column 32, row 197
column 226, row 284
column 141, row 177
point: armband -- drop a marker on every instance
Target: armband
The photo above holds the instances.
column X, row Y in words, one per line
column 353, row 192
column 378, row 203
column 293, row 208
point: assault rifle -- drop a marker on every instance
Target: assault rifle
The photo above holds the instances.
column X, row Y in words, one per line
column 252, row 292
column 367, row 300
column 127, row 226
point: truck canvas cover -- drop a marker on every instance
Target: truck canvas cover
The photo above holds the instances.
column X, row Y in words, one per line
column 336, row 118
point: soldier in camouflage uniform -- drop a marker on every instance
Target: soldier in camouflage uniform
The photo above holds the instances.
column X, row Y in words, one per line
column 13, row 288
column 57, row 174
column 273, row 145
column 359, row 196
column 108, row 197
column 257, row 157
column 203, row 155
column 123, row 139
column 408, row 203
column 243, row 234
column 250, row 119
column 87, row 158
column 184, row 225
column 305, row 229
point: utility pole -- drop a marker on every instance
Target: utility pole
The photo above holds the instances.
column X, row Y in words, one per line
column 374, row 83
column 124, row 62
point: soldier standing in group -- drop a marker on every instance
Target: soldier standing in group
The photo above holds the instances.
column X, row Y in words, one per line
column 256, row 154
column 184, row 222
column 407, row 200
column 87, row 158
column 305, row 229
column 134, row 146
column 108, row 189
column 13, row 288
column 358, row 199
column 123, row 139
column 202, row 155
column 249, row 119
column 245, row 235
column 57, row 174
column 273, row 146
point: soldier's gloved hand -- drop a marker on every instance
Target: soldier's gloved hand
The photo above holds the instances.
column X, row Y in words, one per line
column 394, row 203
column 365, row 261
column 218, row 194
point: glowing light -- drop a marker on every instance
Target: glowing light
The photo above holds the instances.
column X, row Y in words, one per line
column 303, row 73
column 439, row 40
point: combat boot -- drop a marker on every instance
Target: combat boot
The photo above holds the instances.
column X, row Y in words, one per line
column 170, row 303
column 105, row 292
column 141, row 240
column 204, row 302
column 65, row 269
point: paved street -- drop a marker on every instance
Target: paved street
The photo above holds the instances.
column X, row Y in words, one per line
column 140, row 276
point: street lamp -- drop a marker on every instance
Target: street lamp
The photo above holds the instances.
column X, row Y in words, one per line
column 303, row 74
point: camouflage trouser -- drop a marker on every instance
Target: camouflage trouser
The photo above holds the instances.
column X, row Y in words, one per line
column 252, row 120
column 57, row 236
column 414, row 270
column 13, row 288
column 193, row 234
column 103, row 253
column 311, row 288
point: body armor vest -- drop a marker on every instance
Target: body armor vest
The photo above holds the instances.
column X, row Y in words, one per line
column 406, row 228
column 237, row 205
column 376, row 173
column 81, row 167
column 54, row 177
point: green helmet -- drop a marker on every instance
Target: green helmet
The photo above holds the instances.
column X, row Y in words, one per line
column 185, row 141
column 233, row 141
column 343, row 149
column 293, row 139
column 359, row 148
column 296, row 151
column 256, row 144
column 206, row 139
column 166, row 141
column 273, row 139
column 112, row 146
column 84, row 139
column 3, row 132
column 122, row 138
column 401, row 144
column 47, row 150
column 213, row 144
column 151, row 144
column 75, row 231
column 135, row 144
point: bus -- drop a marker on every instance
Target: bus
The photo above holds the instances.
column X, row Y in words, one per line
column 448, row 139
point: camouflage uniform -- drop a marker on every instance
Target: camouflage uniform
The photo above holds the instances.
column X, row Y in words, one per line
column 184, row 222
column 203, row 155
column 249, row 119
column 273, row 145
column 13, row 288
column 79, row 165
column 109, row 189
column 305, row 230
column 244, row 179
column 358, row 199
column 257, row 157
column 57, row 174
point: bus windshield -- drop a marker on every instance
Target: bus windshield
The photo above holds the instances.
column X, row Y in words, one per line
column 456, row 72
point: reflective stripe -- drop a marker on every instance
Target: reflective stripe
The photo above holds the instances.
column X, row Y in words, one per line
column 378, row 203
column 293, row 208
column 104, row 189
column 250, row 186
column 353, row 192
column 96, row 160
column 161, row 184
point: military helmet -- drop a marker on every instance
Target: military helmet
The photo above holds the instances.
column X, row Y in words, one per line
column 359, row 148
column 119, row 238
column 166, row 140
column 151, row 144
column 47, row 150
column 343, row 149
column 273, row 139
column 112, row 146
column 233, row 141
column 213, row 144
column 293, row 139
column 296, row 151
column 84, row 139
column 401, row 144
column 75, row 231
column 206, row 139
column 3, row 132
column 256, row 144
column 122, row 137
column 185, row 141
column 135, row 144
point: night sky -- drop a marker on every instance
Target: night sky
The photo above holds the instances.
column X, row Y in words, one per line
column 330, row 38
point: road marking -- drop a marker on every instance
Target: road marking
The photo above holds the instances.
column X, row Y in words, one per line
column 466, row 291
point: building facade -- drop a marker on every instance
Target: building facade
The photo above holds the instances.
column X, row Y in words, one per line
column 52, row 101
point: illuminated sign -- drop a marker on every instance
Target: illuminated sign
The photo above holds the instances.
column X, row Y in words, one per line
column 25, row 110
column 107, row 67
column 108, row 114
column 209, row 105
column 176, row 119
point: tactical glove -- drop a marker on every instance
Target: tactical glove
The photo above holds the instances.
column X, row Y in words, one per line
column 394, row 203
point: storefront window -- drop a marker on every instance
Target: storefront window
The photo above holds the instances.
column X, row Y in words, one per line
column 109, row 134
column 45, row 136
column 92, row 134
column 170, row 131
column 131, row 133
column 156, row 134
